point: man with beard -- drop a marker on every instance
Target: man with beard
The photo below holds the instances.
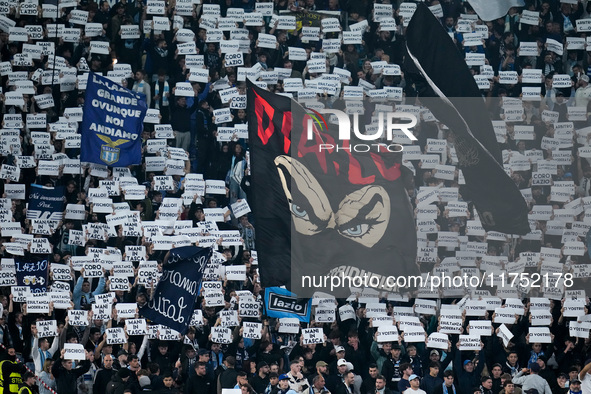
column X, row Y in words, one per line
column 161, row 53
column 200, row 382
column 381, row 386
column 142, row 86
column 346, row 386
column 261, row 380
column 321, row 369
column 212, row 57
column 575, row 387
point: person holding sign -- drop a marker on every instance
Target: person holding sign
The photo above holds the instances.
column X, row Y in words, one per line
column 468, row 374
column 41, row 350
column 66, row 376
column 82, row 295
column 181, row 119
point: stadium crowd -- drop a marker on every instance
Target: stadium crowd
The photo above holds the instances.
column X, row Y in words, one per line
column 545, row 151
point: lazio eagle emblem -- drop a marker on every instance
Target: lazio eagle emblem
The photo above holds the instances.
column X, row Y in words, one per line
column 110, row 152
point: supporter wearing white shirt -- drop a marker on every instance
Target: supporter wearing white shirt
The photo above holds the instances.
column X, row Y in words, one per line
column 142, row 86
column 415, row 382
column 583, row 92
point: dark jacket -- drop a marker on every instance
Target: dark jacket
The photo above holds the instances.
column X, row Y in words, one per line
column 24, row 389
column 439, row 389
column 369, row 386
column 117, row 385
column 391, row 370
column 259, row 384
column 227, row 378
column 199, row 385
column 468, row 380
column 7, row 368
column 342, row 389
column 180, row 118
column 148, row 390
column 429, row 383
column 171, row 390
column 65, row 380
column 102, row 379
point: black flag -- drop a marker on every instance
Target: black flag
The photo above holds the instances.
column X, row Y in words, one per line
column 325, row 211
column 269, row 133
column 454, row 98
column 173, row 301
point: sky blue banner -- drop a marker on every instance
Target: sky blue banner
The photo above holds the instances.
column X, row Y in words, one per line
column 280, row 302
column 112, row 124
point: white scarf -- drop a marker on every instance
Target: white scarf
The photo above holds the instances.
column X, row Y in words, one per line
column 157, row 93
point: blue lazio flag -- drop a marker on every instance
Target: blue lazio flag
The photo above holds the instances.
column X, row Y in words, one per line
column 112, row 123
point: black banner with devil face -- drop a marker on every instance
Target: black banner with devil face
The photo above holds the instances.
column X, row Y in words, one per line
column 331, row 213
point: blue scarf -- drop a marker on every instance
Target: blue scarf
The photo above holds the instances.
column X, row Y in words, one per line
column 445, row 389
column 534, row 357
column 514, row 370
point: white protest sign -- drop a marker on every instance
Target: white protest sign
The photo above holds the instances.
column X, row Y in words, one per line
column 312, row 336
column 539, row 335
column 469, row 342
column 221, row 335
column 252, row 330
column 438, row 341
column 46, row 328
column 116, row 336
column 289, row 325
column 74, row 351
